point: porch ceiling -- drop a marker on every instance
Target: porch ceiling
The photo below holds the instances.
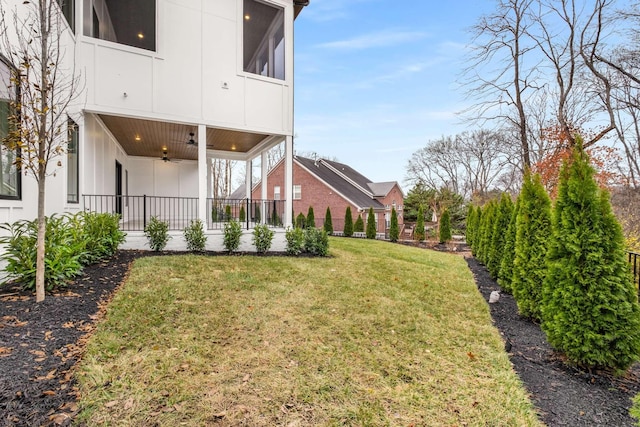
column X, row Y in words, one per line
column 148, row 138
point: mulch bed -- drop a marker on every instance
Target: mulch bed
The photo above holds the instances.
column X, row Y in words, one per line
column 41, row 343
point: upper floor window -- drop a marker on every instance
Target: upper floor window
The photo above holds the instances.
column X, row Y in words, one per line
column 276, row 192
column 73, row 176
column 69, row 11
column 297, row 192
column 9, row 173
column 263, row 39
column 132, row 23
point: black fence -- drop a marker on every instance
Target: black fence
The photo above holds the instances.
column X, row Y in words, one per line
column 634, row 261
column 247, row 212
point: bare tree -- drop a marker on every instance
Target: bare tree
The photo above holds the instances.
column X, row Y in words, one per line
column 221, row 175
column 32, row 33
column 501, row 41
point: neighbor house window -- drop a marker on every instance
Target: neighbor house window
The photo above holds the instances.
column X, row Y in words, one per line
column 276, row 192
column 132, row 23
column 9, row 173
column 297, row 192
column 263, row 39
column 69, row 11
column 73, row 181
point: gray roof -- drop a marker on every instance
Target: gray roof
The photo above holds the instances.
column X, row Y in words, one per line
column 381, row 189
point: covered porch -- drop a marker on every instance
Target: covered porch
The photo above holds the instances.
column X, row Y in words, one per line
column 166, row 172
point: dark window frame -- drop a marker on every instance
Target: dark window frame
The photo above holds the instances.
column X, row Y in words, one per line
column 18, row 168
column 73, row 131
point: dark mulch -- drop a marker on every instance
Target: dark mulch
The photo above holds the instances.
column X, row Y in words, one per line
column 564, row 395
column 40, row 344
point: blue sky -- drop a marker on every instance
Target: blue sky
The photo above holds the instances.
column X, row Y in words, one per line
column 376, row 81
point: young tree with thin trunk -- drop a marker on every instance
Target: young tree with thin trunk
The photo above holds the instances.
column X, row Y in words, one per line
column 47, row 85
column 394, row 231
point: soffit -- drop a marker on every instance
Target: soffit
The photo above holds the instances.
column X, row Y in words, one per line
column 148, row 138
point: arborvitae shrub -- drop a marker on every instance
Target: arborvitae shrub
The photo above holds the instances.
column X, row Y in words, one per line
column 394, row 231
column 486, row 231
column 470, row 224
column 445, row 227
column 301, row 221
column 311, row 219
column 257, row 218
column 358, row 226
column 348, row 223
column 505, row 275
column 477, row 221
column 533, row 228
column 418, row 233
column 500, row 226
column 371, row 225
column 328, row 224
column 227, row 213
column 590, row 306
column 242, row 216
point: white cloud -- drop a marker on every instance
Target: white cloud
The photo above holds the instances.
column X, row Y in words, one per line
column 330, row 10
column 384, row 38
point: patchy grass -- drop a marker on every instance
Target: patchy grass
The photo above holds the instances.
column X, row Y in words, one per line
column 376, row 335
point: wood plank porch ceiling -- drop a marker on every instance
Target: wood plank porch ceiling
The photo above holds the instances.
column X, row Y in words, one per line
column 148, row 138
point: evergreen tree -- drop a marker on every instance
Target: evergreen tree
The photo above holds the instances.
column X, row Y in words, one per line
column 533, row 228
column 506, row 264
column 418, row 233
column 243, row 214
column 590, row 307
column 358, row 227
column 301, row 221
column 311, row 219
column 371, row 225
column 394, row 231
column 477, row 224
column 500, row 226
column 486, row 231
column 470, row 224
column 227, row 213
column 328, row 225
column 348, row 223
column 445, row 227
column 257, row 217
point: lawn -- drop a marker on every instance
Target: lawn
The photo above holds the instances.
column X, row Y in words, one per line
column 377, row 335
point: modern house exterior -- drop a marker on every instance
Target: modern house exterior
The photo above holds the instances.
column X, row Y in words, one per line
column 167, row 85
column 322, row 183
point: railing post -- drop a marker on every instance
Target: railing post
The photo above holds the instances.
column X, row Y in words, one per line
column 248, row 213
column 144, row 211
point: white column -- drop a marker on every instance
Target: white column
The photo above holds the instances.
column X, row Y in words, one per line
column 264, row 169
column 288, row 182
column 202, row 174
column 248, row 178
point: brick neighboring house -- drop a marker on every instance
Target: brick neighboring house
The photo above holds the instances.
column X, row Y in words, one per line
column 324, row 183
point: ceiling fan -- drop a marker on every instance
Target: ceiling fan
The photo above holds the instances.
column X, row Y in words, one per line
column 165, row 157
column 192, row 141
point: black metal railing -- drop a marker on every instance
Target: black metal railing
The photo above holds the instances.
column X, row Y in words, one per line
column 136, row 211
column 248, row 212
column 634, row 262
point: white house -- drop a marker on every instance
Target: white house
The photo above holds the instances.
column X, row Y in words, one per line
column 167, row 86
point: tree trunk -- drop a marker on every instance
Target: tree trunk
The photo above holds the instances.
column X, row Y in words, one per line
column 40, row 244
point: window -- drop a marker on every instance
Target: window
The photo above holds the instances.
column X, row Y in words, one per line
column 263, row 39
column 276, row 192
column 132, row 23
column 73, row 181
column 297, row 192
column 69, row 11
column 9, row 173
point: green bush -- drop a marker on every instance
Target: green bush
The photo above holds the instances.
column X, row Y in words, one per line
column 418, row 233
column 500, row 225
column 232, row 234
column 275, row 219
column 358, row 226
column 227, row 213
column 394, row 232
column 65, row 247
column 295, row 241
column 505, row 275
column 257, row 218
column 194, row 236
column 371, row 225
column 242, row 215
column 533, row 228
column 444, row 233
column 102, row 233
column 635, row 409
column 301, row 221
column 328, row 224
column 157, row 233
column 469, row 224
column 348, row 223
column 311, row 219
column 485, row 231
column 316, row 241
column 262, row 238
column 477, row 223
column 590, row 308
